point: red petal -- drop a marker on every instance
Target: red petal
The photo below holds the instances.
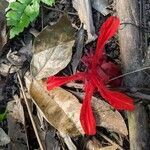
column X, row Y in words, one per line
column 118, row 100
column 107, row 30
column 53, row 81
column 86, row 116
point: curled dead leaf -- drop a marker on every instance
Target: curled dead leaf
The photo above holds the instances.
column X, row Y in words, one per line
column 59, row 107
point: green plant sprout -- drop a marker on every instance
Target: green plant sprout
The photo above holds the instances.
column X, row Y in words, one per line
column 21, row 13
column 3, row 116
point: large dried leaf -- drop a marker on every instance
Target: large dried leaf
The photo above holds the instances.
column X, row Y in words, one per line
column 108, row 118
column 52, row 49
column 83, row 7
column 105, row 116
column 59, row 107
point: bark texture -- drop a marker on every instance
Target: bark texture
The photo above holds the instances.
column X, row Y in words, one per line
column 131, row 56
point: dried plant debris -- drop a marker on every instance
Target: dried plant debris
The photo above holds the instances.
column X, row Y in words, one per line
column 68, row 141
column 51, row 142
column 101, row 6
column 16, row 59
column 59, row 107
column 26, row 50
column 79, row 44
column 83, row 7
column 93, row 144
column 52, row 49
column 16, row 124
column 4, row 138
column 6, row 67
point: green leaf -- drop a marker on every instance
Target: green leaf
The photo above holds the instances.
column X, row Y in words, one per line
column 3, row 116
column 24, row 1
column 13, row 15
column 32, row 10
column 16, row 6
column 20, row 14
column 48, row 2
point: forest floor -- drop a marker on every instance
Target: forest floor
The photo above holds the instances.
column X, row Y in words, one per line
column 62, row 41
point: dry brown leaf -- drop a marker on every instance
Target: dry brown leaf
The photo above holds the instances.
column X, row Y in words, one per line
column 52, row 49
column 105, row 116
column 108, row 118
column 59, row 107
column 83, row 7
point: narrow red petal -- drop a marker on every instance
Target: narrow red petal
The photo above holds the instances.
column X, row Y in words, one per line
column 86, row 116
column 107, row 30
column 54, row 81
column 118, row 100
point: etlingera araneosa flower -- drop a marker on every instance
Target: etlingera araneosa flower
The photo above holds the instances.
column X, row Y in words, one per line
column 98, row 72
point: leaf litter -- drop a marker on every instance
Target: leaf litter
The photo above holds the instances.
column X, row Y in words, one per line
column 53, row 47
column 85, row 14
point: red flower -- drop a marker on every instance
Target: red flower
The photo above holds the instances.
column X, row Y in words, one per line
column 98, row 72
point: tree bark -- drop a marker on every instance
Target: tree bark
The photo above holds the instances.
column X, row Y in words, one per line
column 131, row 56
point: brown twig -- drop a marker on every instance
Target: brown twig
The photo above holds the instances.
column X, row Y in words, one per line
column 128, row 73
column 30, row 113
